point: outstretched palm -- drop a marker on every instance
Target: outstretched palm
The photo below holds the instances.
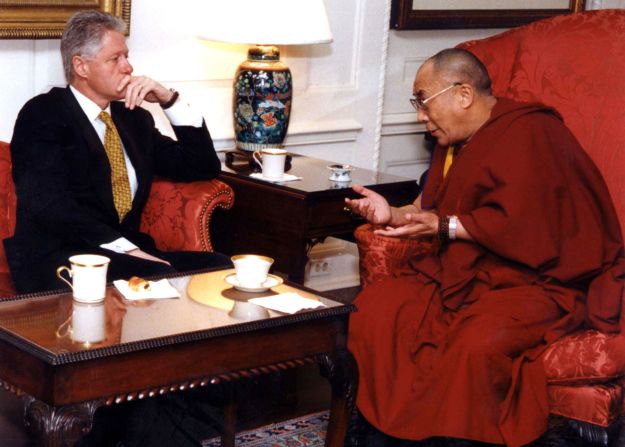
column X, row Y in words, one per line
column 372, row 206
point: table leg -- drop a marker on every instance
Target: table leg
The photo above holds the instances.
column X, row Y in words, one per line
column 291, row 258
column 342, row 372
column 298, row 257
column 230, row 417
column 59, row 426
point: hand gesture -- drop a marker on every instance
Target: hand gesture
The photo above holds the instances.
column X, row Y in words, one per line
column 422, row 223
column 140, row 88
column 372, row 206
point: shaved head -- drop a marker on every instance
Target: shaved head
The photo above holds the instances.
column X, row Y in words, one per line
column 457, row 65
column 454, row 91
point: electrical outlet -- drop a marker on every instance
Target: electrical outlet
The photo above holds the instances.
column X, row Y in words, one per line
column 332, row 264
column 319, row 267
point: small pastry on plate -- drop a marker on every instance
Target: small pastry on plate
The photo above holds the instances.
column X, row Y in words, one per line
column 137, row 284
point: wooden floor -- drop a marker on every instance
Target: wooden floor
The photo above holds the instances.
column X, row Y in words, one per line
column 267, row 398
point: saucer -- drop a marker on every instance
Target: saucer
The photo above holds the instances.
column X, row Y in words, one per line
column 285, row 178
column 271, row 281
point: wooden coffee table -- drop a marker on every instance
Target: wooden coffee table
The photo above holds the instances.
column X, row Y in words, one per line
column 163, row 346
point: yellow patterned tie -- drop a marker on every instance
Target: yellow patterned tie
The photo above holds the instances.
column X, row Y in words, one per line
column 122, row 196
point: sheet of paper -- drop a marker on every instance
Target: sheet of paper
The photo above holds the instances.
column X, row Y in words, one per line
column 289, row 303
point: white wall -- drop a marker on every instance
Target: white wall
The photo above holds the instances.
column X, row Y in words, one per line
column 351, row 96
column 605, row 4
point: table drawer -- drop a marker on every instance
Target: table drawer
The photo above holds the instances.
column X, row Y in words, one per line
column 331, row 212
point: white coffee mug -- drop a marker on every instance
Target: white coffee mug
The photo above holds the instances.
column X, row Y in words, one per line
column 252, row 270
column 88, row 275
column 271, row 162
column 87, row 323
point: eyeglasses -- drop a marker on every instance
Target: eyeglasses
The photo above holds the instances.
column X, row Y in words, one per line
column 421, row 104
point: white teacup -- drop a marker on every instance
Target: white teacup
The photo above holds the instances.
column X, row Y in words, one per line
column 271, row 162
column 88, row 275
column 242, row 310
column 252, row 270
column 87, row 323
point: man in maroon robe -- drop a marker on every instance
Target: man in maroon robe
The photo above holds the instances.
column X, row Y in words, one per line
column 526, row 247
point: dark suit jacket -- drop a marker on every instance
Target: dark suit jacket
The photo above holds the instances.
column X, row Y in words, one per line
column 63, row 185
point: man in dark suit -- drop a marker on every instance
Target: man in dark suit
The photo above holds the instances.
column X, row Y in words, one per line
column 68, row 186
column 82, row 180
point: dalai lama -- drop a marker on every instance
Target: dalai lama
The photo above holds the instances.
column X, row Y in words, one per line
column 526, row 247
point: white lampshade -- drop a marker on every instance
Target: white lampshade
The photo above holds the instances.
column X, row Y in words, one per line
column 267, row 22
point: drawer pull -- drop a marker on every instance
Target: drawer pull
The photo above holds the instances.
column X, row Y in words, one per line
column 354, row 216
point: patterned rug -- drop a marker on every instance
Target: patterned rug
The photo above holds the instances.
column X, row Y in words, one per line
column 309, row 431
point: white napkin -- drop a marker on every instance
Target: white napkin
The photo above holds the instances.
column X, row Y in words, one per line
column 289, row 302
column 286, row 178
column 158, row 290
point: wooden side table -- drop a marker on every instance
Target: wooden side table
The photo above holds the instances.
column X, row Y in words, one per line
column 285, row 220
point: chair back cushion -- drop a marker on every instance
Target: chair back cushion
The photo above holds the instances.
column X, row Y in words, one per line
column 7, row 215
column 576, row 64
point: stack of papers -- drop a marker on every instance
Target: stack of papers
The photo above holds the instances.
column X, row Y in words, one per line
column 287, row 302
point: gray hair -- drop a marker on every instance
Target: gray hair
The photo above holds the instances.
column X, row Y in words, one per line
column 82, row 36
column 459, row 65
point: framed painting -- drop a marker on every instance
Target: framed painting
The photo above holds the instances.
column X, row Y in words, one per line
column 45, row 19
column 456, row 14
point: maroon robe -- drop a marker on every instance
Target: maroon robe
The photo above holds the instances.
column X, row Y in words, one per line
column 453, row 351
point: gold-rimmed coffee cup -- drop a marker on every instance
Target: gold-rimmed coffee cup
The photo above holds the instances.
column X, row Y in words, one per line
column 87, row 275
column 251, row 270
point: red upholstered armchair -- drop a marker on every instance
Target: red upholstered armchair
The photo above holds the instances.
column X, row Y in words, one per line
column 575, row 63
column 177, row 215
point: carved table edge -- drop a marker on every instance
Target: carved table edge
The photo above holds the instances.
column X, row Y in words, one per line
column 189, row 384
column 6, row 386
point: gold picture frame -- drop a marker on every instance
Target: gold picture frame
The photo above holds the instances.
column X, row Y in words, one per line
column 460, row 14
column 45, row 19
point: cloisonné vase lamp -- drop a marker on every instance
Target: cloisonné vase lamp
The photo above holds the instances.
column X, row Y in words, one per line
column 263, row 88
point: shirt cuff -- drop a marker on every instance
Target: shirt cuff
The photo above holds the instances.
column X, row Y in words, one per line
column 121, row 245
column 182, row 114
